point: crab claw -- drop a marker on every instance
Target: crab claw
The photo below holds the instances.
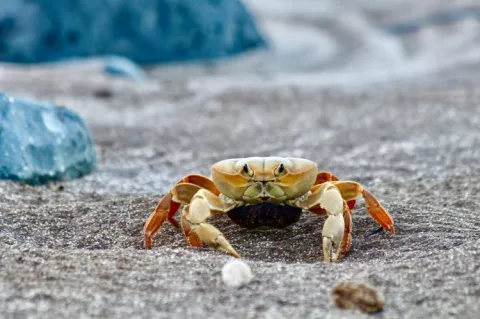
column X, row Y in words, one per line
column 195, row 226
column 211, row 236
column 332, row 233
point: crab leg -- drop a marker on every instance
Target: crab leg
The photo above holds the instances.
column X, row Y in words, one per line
column 351, row 190
column 336, row 233
column 168, row 205
column 347, row 236
column 323, row 177
column 205, row 204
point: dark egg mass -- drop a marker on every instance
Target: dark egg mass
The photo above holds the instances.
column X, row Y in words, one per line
column 265, row 215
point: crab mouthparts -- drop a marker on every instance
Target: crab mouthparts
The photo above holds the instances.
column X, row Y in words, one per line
column 264, row 198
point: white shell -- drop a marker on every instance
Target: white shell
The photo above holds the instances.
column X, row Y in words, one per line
column 236, row 273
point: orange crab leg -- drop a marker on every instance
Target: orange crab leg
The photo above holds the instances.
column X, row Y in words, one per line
column 347, row 240
column 323, row 177
column 351, row 190
column 157, row 218
column 168, row 205
column 347, row 237
column 201, row 181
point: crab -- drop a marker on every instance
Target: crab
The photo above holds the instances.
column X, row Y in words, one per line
column 259, row 192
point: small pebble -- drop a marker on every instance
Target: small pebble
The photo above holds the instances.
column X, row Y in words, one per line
column 361, row 296
column 236, row 273
column 120, row 66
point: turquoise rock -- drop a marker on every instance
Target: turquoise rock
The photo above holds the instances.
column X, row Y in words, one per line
column 41, row 142
column 144, row 31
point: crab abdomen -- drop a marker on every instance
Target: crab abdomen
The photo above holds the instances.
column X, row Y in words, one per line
column 265, row 215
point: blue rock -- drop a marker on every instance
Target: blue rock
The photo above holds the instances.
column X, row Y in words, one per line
column 145, row 31
column 118, row 66
column 42, row 142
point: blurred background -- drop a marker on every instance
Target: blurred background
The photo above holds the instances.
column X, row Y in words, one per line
column 331, row 42
column 145, row 64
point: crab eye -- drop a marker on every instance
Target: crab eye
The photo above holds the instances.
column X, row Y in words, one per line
column 247, row 170
column 279, row 170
